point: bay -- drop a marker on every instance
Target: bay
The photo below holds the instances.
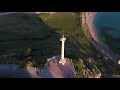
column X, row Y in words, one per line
column 107, row 27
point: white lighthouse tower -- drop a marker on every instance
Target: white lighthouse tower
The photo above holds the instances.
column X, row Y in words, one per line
column 62, row 60
column 59, row 67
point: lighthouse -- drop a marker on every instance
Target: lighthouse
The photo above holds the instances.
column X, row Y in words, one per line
column 59, row 66
column 62, row 60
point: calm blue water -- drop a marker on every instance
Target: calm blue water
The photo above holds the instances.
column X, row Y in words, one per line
column 107, row 25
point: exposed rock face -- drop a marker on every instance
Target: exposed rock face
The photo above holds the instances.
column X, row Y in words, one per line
column 87, row 69
column 94, row 73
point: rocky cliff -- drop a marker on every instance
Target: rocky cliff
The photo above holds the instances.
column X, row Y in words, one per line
column 87, row 69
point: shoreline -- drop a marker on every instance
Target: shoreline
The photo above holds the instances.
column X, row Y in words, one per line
column 87, row 20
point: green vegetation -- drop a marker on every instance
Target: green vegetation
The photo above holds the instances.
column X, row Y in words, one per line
column 80, row 68
column 77, row 43
column 31, row 39
column 18, row 32
column 69, row 24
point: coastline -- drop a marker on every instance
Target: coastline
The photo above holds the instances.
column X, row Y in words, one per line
column 87, row 20
column 87, row 23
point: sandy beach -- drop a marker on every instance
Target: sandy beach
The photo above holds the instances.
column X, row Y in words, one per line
column 87, row 20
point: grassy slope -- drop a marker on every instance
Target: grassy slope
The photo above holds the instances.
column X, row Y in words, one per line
column 42, row 37
column 77, row 45
column 13, row 42
column 69, row 24
column 55, row 26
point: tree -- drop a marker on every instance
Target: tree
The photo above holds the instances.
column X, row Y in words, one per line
column 25, row 53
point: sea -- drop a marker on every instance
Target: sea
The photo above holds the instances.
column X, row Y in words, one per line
column 107, row 27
